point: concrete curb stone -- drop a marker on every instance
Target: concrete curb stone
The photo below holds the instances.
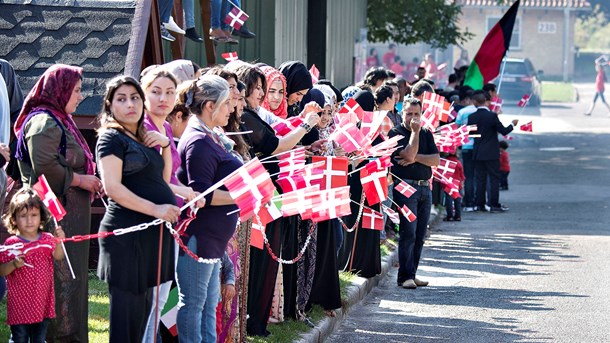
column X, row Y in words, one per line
column 356, row 293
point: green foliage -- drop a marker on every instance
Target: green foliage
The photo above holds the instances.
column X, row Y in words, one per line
column 599, row 7
column 289, row 330
column 413, row 21
column 592, row 33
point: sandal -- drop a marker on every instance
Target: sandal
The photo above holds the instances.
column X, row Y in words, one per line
column 330, row 313
column 448, row 219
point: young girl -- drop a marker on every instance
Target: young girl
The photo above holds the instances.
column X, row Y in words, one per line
column 29, row 271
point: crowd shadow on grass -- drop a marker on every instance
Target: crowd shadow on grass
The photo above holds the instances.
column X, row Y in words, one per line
column 497, row 254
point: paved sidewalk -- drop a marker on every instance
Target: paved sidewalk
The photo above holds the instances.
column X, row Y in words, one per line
column 356, row 293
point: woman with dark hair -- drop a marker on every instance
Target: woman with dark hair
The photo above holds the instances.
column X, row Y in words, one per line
column 372, row 60
column 50, row 144
column 132, row 173
column 264, row 143
column 360, row 252
column 298, row 83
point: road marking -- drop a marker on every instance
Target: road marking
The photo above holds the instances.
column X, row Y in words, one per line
column 558, row 148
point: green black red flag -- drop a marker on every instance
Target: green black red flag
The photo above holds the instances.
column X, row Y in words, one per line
column 486, row 64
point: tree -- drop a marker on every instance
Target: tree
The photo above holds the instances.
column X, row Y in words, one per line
column 598, row 7
column 413, row 21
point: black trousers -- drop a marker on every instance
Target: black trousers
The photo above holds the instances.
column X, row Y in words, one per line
column 128, row 314
column 483, row 170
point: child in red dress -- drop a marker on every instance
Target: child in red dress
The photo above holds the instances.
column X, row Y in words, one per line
column 29, row 268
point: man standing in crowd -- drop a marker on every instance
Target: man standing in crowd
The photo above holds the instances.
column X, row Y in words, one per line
column 413, row 166
column 486, row 151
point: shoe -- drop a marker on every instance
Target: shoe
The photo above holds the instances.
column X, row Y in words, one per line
column 433, row 211
column 420, row 283
column 166, row 35
column 468, row 209
column 457, row 219
column 243, row 32
column 192, row 34
column 481, row 209
column 587, row 114
column 409, row 284
column 172, row 26
column 448, row 219
column 500, row 208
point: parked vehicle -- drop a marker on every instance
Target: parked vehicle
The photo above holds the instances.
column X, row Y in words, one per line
column 520, row 78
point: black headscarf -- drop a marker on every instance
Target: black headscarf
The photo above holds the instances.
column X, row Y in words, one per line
column 366, row 100
column 313, row 95
column 297, row 76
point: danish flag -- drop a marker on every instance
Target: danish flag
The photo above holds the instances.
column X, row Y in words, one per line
column 313, row 175
column 230, row 56
column 292, row 162
column 250, row 186
column 408, row 213
column 332, row 203
column 296, row 202
column 351, row 108
column 371, row 121
column 236, row 18
column 291, row 183
column 372, row 219
column 452, row 189
column 405, row 189
column 256, row 235
column 49, row 198
column 527, row 127
column 392, row 215
column 444, row 170
column 496, row 104
column 334, row 170
column 282, row 128
column 379, row 164
column 315, row 74
column 447, row 113
column 429, row 120
column 374, row 185
column 523, row 102
column 348, row 136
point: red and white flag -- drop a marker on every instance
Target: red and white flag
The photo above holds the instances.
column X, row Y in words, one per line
column 296, row 202
column 269, row 213
column 250, row 186
column 348, row 136
column 284, row 127
column 371, row 122
column 372, row 219
column 332, row 203
column 496, row 104
column 374, row 185
column 527, row 127
column 49, row 199
column 445, row 169
column 452, row 189
column 236, row 18
column 408, row 213
column 405, row 189
column 256, row 235
column 349, row 109
column 429, row 120
column 313, row 174
column 379, row 164
column 292, row 162
column 392, row 215
column 230, row 56
column 291, row 183
column 334, row 170
column 523, row 102
column 315, row 74
column 447, row 113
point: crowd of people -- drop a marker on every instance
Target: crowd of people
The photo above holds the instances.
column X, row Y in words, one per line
column 163, row 141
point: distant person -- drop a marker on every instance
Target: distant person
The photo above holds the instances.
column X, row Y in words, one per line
column 600, row 79
column 420, row 74
column 388, row 57
column 411, row 68
column 430, row 66
column 373, row 59
column 504, row 166
column 452, row 83
column 398, row 66
column 463, row 60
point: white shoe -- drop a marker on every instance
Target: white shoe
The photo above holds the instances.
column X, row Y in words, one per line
column 433, row 211
column 172, row 26
column 409, row 284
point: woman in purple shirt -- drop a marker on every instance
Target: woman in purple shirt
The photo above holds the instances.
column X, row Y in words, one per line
column 206, row 159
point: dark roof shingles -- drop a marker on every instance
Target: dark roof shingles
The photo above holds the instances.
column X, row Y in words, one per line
column 34, row 37
column 559, row 4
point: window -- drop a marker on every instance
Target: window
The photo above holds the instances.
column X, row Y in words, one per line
column 515, row 41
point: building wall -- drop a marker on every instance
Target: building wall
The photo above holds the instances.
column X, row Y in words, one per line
column 545, row 50
column 290, row 31
column 345, row 19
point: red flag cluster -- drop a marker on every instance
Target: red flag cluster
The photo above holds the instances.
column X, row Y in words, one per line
column 282, row 128
column 444, row 174
column 251, row 187
column 435, row 108
column 449, row 137
column 496, row 104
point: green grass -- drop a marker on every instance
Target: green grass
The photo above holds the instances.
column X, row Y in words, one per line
column 558, row 92
column 346, row 279
column 289, row 330
column 98, row 313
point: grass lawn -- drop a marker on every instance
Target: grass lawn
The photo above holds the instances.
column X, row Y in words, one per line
column 558, row 92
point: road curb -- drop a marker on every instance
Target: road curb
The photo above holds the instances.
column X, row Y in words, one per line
column 360, row 289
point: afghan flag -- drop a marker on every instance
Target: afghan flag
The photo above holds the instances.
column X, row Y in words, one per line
column 486, row 64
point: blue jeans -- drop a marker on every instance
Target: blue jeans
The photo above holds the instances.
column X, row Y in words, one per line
column 220, row 9
column 188, row 6
column 469, row 183
column 199, row 291
column 412, row 235
column 165, row 9
column 453, row 206
column 32, row 333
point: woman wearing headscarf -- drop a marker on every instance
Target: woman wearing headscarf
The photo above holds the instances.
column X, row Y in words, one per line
column 275, row 94
column 298, row 82
column 360, row 252
column 264, row 143
column 50, row 144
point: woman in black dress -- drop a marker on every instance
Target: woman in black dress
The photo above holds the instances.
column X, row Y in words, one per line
column 132, row 174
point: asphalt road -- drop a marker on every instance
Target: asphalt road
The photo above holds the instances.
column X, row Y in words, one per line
column 538, row 273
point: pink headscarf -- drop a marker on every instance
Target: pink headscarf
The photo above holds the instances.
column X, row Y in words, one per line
column 52, row 93
column 271, row 74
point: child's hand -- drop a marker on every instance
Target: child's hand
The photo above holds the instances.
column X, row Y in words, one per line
column 18, row 262
column 59, row 233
